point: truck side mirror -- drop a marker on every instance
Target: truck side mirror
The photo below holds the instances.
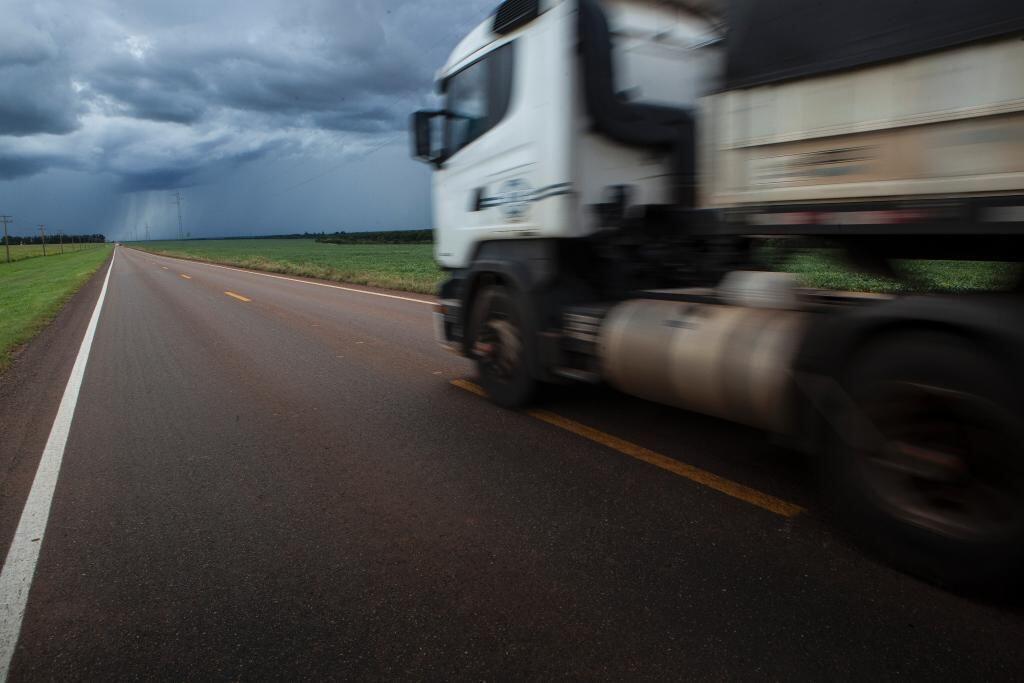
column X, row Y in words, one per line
column 426, row 136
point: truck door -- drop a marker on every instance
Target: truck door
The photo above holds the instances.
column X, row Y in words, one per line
column 484, row 182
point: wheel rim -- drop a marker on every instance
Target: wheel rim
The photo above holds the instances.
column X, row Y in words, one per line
column 498, row 346
column 940, row 462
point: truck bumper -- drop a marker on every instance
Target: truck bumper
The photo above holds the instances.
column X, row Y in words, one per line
column 448, row 325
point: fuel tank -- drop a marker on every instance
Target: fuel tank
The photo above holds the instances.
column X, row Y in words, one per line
column 732, row 362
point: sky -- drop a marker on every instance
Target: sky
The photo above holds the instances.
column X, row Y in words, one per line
column 268, row 116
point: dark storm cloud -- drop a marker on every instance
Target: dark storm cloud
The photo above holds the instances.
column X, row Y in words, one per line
column 36, row 92
column 171, row 93
column 330, row 65
column 183, row 170
column 41, row 106
column 362, row 119
column 16, row 166
column 152, row 92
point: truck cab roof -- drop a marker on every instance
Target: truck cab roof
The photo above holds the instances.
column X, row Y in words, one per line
column 481, row 37
column 467, row 49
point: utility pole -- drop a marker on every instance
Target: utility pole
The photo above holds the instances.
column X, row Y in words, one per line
column 61, row 233
column 177, row 200
column 42, row 237
column 7, row 242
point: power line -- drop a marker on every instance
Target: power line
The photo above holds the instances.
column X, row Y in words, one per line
column 388, row 141
column 335, row 167
column 371, row 151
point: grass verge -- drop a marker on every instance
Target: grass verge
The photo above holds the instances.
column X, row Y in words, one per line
column 407, row 267
column 32, row 292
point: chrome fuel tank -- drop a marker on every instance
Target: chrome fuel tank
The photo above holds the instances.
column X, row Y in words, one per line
column 732, row 362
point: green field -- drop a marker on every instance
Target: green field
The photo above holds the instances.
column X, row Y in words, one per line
column 408, row 267
column 32, row 291
column 824, row 269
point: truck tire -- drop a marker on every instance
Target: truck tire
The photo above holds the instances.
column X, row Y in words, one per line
column 501, row 348
column 930, row 470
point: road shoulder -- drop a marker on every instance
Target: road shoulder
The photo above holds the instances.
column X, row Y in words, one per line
column 30, row 392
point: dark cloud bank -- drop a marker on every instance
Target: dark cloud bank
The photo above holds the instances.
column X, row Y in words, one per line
column 143, row 96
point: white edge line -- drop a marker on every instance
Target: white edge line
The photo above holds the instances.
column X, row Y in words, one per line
column 292, row 279
column 20, row 565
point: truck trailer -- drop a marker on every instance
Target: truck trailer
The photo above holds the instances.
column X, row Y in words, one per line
column 607, row 172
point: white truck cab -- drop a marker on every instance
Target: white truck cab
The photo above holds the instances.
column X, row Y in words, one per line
column 603, row 170
column 518, row 156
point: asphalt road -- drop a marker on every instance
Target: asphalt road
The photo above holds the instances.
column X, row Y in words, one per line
column 285, row 484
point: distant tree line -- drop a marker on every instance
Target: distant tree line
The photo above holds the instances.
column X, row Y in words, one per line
column 374, row 237
column 379, row 237
column 291, row 236
column 55, row 239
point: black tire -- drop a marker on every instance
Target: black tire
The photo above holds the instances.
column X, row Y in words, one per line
column 927, row 467
column 501, row 348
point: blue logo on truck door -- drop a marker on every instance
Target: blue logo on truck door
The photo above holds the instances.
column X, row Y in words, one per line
column 515, row 195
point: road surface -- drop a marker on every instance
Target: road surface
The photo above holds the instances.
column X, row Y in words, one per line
column 268, row 478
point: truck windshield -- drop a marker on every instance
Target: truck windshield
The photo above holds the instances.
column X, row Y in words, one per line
column 477, row 98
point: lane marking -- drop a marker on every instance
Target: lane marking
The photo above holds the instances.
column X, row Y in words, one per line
column 471, row 387
column 165, row 267
column 187, row 277
column 695, row 474
column 303, row 282
column 238, row 296
column 712, row 481
column 23, row 555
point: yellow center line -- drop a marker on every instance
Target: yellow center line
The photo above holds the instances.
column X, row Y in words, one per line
column 238, row 296
column 187, row 277
column 695, row 474
column 470, row 387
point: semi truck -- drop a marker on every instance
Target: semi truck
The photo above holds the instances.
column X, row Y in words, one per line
column 608, row 175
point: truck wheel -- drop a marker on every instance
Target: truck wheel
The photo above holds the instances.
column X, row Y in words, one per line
column 501, row 347
column 928, row 468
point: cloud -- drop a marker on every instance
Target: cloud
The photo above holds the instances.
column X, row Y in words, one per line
column 36, row 91
column 125, row 100
column 324, row 64
column 14, row 166
column 37, row 99
column 139, row 89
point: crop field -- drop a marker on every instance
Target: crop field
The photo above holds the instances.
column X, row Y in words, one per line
column 33, row 290
column 408, row 267
column 825, row 269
